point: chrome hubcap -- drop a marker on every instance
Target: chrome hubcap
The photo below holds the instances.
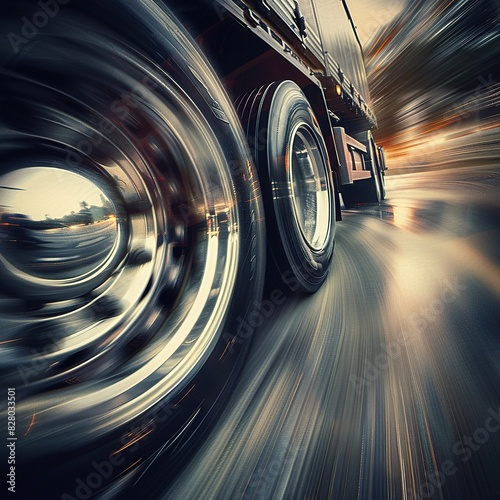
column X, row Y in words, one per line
column 309, row 187
column 61, row 234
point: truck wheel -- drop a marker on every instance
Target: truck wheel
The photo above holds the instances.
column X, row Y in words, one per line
column 381, row 180
column 370, row 190
column 378, row 169
column 361, row 192
column 296, row 181
column 383, row 192
column 131, row 247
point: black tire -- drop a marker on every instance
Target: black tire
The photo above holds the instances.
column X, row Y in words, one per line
column 370, row 190
column 296, row 181
column 361, row 192
column 378, row 169
column 124, row 345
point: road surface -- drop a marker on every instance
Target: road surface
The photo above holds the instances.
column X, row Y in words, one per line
column 386, row 383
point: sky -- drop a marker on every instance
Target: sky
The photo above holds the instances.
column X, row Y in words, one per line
column 433, row 69
column 370, row 15
column 45, row 191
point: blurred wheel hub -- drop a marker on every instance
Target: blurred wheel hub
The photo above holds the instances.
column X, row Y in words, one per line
column 61, row 234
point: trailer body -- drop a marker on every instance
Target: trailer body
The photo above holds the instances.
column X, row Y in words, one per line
column 314, row 43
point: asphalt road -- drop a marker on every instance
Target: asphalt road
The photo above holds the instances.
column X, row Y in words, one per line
column 386, row 383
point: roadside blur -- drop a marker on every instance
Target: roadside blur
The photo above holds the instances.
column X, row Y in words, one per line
column 434, row 75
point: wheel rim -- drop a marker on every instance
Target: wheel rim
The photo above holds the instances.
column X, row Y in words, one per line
column 144, row 304
column 309, row 190
column 58, row 247
column 286, row 141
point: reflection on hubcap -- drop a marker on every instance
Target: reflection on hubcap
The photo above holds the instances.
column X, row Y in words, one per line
column 119, row 235
column 309, row 186
column 59, row 231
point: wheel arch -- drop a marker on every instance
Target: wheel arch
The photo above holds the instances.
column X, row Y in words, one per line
column 247, row 57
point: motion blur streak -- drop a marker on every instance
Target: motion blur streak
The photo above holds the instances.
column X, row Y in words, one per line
column 434, row 75
column 384, row 384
